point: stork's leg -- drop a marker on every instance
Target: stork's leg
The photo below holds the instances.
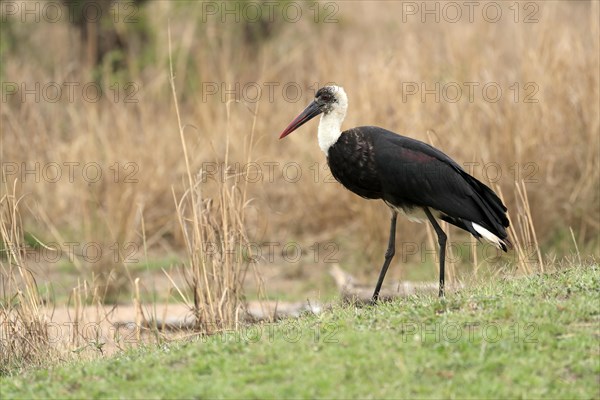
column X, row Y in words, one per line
column 389, row 254
column 442, row 242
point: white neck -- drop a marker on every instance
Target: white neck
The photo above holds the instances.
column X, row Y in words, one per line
column 330, row 128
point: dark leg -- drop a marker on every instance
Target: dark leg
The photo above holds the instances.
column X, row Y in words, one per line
column 389, row 254
column 442, row 242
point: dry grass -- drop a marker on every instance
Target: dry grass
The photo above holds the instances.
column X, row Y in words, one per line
column 23, row 326
column 33, row 330
column 214, row 231
column 149, row 153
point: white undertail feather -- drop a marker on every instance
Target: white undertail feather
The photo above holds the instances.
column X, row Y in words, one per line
column 488, row 235
column 330, row 127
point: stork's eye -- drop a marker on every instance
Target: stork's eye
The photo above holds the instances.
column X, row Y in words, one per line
column 327, row 97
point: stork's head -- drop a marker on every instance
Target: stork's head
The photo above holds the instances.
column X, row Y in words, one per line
column 329, row 100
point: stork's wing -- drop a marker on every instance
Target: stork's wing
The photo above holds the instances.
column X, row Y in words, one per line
column 417, row 173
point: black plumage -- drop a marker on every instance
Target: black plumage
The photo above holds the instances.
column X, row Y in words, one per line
column 407, row 173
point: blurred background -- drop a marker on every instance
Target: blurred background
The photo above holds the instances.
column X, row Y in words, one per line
column 91, row 143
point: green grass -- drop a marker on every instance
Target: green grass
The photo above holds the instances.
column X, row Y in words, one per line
column 534, row 337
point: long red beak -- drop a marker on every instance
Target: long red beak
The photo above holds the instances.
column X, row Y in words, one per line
column 309, row 113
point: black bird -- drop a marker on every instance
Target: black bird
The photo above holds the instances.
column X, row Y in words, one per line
column 410, row 176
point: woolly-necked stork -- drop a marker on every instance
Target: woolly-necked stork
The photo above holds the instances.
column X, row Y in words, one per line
column 410, row 176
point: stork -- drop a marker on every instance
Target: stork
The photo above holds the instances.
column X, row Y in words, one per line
column 410, row 176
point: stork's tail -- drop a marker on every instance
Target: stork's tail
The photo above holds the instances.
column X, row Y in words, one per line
column 503, row 244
